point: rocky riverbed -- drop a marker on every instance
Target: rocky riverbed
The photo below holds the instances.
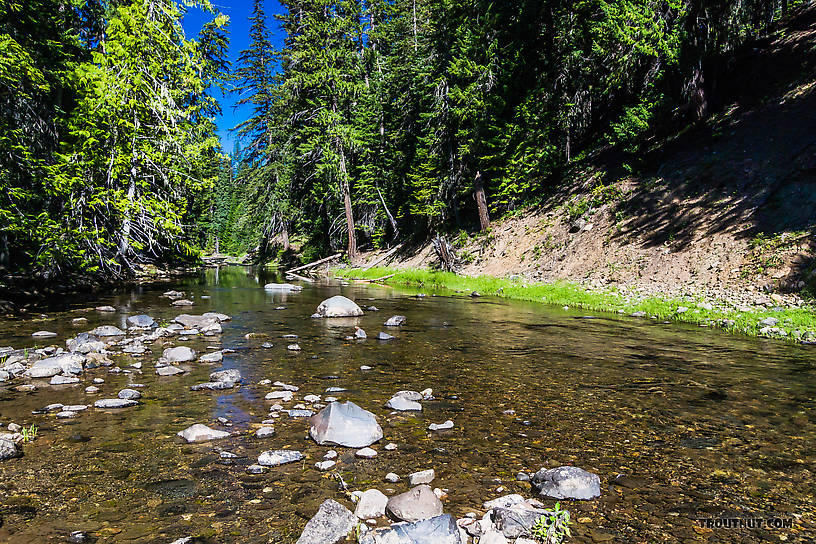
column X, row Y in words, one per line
column 468, row 422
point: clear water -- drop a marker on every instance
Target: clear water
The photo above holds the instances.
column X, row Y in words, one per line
column 680, row 423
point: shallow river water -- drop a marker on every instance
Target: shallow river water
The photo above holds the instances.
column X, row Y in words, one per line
column 680, row 423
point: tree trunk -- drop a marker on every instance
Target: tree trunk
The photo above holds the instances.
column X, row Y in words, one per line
column 481, row 202
column 217, row 249
column 388, row 214
column 285, row 235
column 352, row 237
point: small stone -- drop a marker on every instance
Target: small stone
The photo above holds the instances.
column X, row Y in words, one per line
column 43, row 334
column 421, row 477
column 201, row 433
column 265, row 432
column 91, row 389
column 130, row 394
column 325, row 465
column 366, row 453
column 169, row 371
column 390, row 446
column 293, row 347
column 365, row 367
column 255, row 469
column 331, row 454
column 279, row 457
column 417, row 504
column 98, row 380
column 395, row 321
column 392, row 478
column 66, row 414
column 105, row 309
column 402, row 404
column 441, row 426
column 384, row 336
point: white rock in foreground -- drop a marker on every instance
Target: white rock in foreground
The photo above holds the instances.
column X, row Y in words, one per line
column 201, row 433
column 338, row 306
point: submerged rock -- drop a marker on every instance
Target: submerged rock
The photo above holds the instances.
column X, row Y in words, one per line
column 43, row 334
column 169, row 371
column 437, row 530
column 279, row 457
column 338, row 306
column 414, row 505
column 402, row 404
column 201, row 433
column 214, row 357
column 129, row 394
column 331, row 524
column 395, row 321
column 51, row 366
column 345, row 424
column 566, row 483
column 384, row 336
column 516, row 522
column 64, row 380
column 441, row 426
column 114, row 403
column 288, row 287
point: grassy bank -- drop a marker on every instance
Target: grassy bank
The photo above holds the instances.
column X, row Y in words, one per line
column 793, row 324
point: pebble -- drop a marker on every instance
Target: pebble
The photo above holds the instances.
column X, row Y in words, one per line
column 392, row 478
column 293, row 347
column 331, row 454
column 325, row 465
column 441, row 426
column 265, row 432
column 421, row 477
column 390, row 446
column 130, row 394
column 366, row 453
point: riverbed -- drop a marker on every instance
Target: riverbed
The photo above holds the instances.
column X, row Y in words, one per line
column 680, row 423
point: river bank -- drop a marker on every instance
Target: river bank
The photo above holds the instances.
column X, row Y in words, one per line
column 769, row 316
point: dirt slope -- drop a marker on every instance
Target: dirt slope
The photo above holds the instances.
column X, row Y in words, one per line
column 726, row 210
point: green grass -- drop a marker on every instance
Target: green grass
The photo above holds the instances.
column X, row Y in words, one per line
column 795, row 322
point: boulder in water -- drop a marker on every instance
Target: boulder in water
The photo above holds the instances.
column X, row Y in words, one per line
column 345, row 424
column 108, row 330
column 415, row 504
column 395, row 321
column 436, row 530
column 338, row 306
column 566, row 483
column 8, row 449
column 286, row 287
column 332, row 523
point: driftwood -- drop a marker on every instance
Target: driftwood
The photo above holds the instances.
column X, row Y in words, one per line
column 315, row 263
column 384, row 257
column 447, row 256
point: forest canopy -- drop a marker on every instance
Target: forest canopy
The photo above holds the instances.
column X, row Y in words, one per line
column 372, row 122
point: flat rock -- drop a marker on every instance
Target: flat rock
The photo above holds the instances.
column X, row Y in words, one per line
column 441, row 426
column 183, row 302
column 265, row 432
column 169, row 371
column 414, row 505
column 279, row 457
column 201, row 433
column 105, row 309
column 506, row 501
column 217, row 316
column 422, row 477
column 366, row 453
column 288, row 287
column 372, row 504
column 179, row 354
column 114, row 403
column 141, row 321
column 436, row 530
column 345, row 424
column 516, row 522
column 395, row 321
column 331, row 524
column 566, row 483
column 51, row 366
column 232, row 375
column 43, row 334
column 402, row 404
column 214, row 357
column 384, row 336
column 64, row 380
column 338, row 306
column 107, row 330
column 325, row 465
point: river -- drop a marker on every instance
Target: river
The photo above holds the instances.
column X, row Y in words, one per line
column 680, row 423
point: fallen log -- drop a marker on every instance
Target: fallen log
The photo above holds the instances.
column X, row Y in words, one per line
column 375, row 280
column 315, row 263
column 384, row 257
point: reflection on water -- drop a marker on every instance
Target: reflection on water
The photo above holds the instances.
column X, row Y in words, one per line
column 680, row 423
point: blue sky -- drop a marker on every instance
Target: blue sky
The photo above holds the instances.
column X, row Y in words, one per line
column 239, row 12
